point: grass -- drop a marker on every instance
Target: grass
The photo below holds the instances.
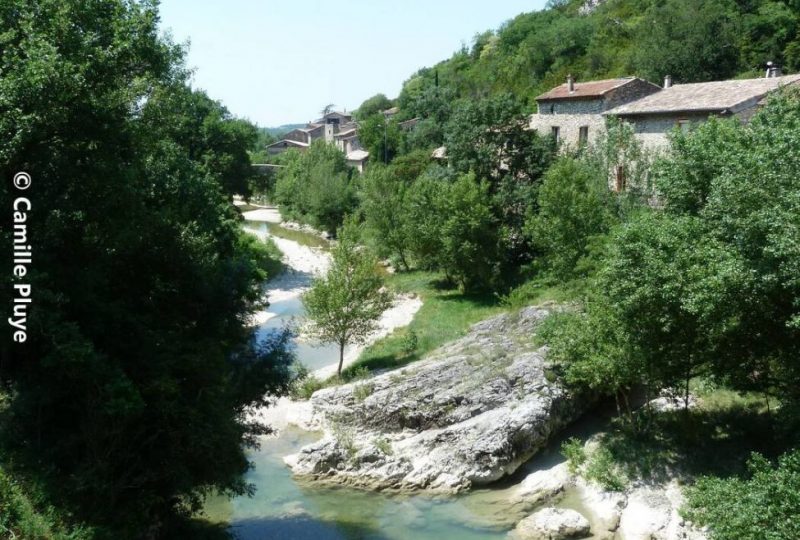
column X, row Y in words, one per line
column 714, row 438
column 445, row 315
column 301, row 237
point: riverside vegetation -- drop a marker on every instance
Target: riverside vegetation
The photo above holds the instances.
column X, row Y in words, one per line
column 127, row 406
column 694, row 295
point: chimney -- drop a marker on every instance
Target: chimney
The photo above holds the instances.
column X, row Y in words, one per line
column 570, row 83
column 668, row 81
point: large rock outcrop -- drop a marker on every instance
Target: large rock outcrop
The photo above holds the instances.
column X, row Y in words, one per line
column 468, row 414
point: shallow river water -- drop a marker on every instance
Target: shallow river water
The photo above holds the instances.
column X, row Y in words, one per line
column 285, row 509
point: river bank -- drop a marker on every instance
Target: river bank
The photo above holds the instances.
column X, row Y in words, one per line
column 463, row 419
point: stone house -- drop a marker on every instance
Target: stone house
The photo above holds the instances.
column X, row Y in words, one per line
column 573, row 112
column 336, row 128
column 682, row 105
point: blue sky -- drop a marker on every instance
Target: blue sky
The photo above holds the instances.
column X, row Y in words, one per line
column 278, row 62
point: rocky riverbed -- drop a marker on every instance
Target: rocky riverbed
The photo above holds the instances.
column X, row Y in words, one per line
column 466, row 415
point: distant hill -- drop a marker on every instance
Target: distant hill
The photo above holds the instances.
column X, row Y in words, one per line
column 691, row 40
column 277, row 131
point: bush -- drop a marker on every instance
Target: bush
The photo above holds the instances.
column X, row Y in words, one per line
column 765, row 506
column 572, row 450
column 264, row 253
column 602, row 469
column 19, row 518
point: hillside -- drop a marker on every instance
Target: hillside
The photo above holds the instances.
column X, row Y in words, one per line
column 649, row 38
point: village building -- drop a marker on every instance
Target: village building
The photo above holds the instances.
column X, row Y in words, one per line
column 573, row 113
column 337, row 128
column 683, row 105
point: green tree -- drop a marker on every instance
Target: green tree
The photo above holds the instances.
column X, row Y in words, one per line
column 381, row 136
column 692, row 41
column 490, row 137
column 386, row 217
column 129, row 397
column 765, row 505
column 315, row 186
column 574, row 206
column 344, row 306
column 373, row 105
column 468, row 233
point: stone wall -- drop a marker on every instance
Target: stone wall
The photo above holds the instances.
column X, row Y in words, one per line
column 569, row 126
column 571, row 106
column 653, row 130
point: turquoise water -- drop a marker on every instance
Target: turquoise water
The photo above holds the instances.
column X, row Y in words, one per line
column 285, row 509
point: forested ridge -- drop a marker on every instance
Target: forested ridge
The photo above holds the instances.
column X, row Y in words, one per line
column 690, row 40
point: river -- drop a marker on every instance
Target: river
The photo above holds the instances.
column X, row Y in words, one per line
column 283, row 508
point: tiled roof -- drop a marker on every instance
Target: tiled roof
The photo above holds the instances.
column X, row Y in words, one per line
column 704, row 97
column 285, row 142
column 585, row 89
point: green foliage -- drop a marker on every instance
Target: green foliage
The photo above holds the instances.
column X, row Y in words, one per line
column 466, row 232
column 574, row 206
column 20, row 518
column 410, row 343
column 573, row 452
column 344, row 306
column 130, row 393
column 384, row 207
column 529, row 54
column 765, row 505
column 266, row 255
column 381, row 136
column 315, row 186
column 208, row 134
column 601, row 468
column 706, row 285
column 675, row 39
column 490, row 138
column 363, row 391
column 383, row 445
column 373, row 105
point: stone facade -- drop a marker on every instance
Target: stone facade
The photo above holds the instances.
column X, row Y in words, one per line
column 573, row 112
column 653, row 130
column 569, row 126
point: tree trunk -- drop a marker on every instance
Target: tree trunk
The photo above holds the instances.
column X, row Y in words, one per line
column 341, row 358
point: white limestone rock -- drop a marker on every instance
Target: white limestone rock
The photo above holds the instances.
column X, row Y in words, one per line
column 552, row 524
column 470, row 413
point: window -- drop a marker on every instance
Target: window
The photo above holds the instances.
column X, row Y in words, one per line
column 583, row 135
column 619, row 178
column 684, row 125
column 556, row 132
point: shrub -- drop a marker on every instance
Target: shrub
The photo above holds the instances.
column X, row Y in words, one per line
column 765, row 506
column 572, row 450
column 363, row 391
column 602, row 469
